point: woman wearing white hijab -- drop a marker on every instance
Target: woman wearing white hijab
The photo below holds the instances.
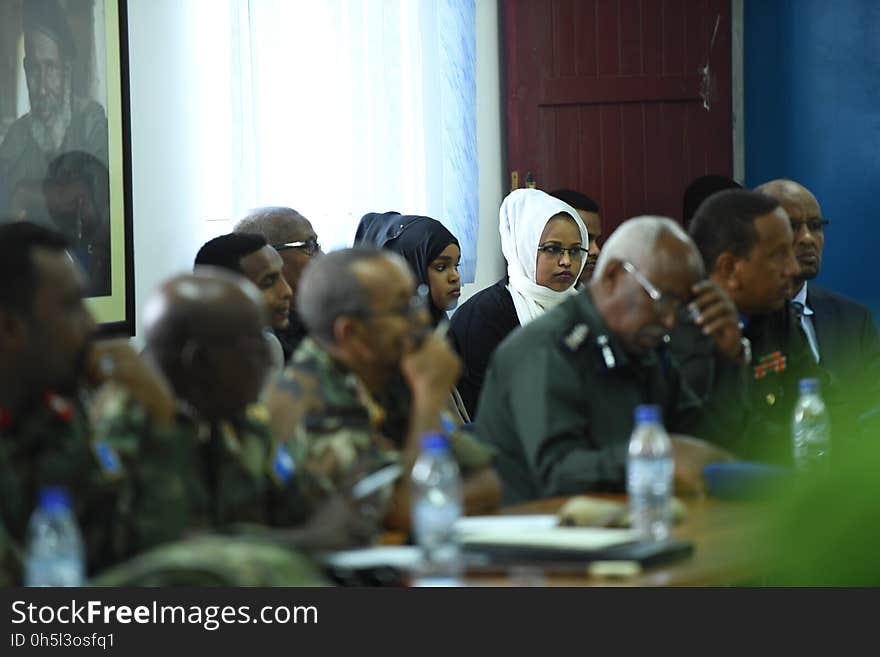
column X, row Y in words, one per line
column 543, row 240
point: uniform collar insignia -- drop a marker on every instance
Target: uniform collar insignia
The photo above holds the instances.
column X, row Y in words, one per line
column 108, row 459
column 576, row 336
column 283, row 465
column 59, row 406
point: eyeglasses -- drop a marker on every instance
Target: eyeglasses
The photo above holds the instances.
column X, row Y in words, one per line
column 663, row 304
column 813, row 225
column 311, row 247
column 575, row 252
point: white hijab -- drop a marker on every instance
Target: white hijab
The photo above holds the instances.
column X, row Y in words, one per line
column 523, row 216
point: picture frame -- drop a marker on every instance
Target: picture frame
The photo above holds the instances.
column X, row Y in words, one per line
column 65, row 138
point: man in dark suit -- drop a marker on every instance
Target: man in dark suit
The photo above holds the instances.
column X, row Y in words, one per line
column 746, row 242
column 841, row 332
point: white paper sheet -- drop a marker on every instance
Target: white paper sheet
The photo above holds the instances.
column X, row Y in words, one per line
column 561, row 538
column 396, row 556
column 472, row 524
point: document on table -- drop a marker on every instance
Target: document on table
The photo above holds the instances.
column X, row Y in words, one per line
column 542, row 531
column 402, row 557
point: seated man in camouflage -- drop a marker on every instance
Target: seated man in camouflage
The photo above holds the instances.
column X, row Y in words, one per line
column 205, row 333
column 49, row 360
column 339, row 400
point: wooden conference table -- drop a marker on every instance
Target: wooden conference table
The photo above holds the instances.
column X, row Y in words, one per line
column 726, row 550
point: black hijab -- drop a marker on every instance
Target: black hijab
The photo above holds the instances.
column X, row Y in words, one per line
column 418, row 239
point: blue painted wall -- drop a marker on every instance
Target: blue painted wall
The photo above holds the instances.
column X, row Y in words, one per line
column 812, row 114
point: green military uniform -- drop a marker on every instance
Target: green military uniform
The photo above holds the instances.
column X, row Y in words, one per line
column 558, row 404
column 235, row 479
column 52, row 443
column 340, row 428
column 759, row 413
column 231, row 472
column 244, row 475
column 215, row 561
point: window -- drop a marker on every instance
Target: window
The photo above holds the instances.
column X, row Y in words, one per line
column 337, row 108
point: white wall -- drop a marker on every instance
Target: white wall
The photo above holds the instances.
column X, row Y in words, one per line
column 490, row 262
column 164, row 110
column 166, row 183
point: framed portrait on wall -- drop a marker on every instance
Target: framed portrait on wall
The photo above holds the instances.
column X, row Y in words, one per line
column 65, row 155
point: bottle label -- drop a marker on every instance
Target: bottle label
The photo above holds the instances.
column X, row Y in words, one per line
column 811, row 434
column 54, row 571
column 649, row 484
column 434, row 523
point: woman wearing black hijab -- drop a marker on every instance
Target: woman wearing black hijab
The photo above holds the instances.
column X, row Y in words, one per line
column 430, row 249
column 433, row 255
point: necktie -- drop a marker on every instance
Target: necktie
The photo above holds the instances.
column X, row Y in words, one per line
column 807, row 328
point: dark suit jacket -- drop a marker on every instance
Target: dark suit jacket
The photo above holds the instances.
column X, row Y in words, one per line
column 849, row 346
column 754, row 404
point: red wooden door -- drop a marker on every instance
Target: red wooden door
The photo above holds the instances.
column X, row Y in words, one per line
column 626, row 101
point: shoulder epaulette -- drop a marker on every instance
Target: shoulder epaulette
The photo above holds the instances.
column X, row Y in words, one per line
column 258, row 413
column 576, row 336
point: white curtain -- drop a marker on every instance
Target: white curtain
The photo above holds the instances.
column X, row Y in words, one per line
column 338, row 108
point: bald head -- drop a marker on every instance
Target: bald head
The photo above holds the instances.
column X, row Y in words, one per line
column 806, row 224
column 277, row 224
column 644, row 258
column 283, row 226
column 210, row 304
column 787, row 191
column 346, row 282
column 205, row 332
column 360, row 305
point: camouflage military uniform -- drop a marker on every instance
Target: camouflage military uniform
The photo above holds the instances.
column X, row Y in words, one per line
column 53, row 444
column 340, row 430
column 215, row 561
column 225, row 477
column 230, row 472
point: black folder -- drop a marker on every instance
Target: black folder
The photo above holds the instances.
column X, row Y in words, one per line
column 646, row 554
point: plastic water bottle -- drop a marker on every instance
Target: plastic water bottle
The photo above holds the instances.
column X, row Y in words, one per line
column 55, row 545
column 649, row 475
column 436, row 506
column 810, row 429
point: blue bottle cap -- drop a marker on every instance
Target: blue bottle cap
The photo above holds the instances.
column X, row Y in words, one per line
column 648, row 413
column 53, row 498
column 434, row 442
column 809, row 385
